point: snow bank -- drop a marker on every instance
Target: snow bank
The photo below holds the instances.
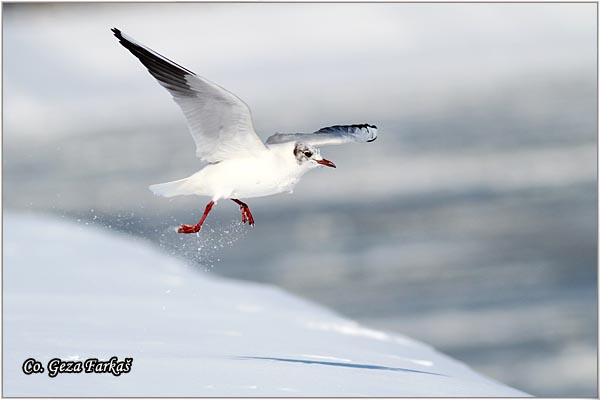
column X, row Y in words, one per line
column 75, row 292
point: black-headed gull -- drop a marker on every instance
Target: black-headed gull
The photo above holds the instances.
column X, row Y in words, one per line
column 240, row 165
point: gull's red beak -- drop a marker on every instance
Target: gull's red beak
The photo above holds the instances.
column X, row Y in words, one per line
column 326, row 163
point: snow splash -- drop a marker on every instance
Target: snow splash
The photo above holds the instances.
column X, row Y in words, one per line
column 202, row 247
column 200, row 250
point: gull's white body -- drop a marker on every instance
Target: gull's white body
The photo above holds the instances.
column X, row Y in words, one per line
column 270, row 172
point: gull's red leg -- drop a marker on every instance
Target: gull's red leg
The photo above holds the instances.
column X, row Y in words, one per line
column 246, row 214
column 195, row 228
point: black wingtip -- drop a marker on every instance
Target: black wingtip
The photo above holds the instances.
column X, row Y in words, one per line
column 363, row 126
column 146, row 55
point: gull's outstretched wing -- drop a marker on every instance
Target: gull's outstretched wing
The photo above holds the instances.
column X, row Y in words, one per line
column 220, row 123
column 337, row 134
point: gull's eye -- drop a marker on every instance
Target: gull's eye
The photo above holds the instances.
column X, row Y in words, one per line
column 308, row 154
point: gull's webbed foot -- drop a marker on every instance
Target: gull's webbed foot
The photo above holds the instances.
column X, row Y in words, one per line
column 189, row 228
column 195, row 228
column 246, row 214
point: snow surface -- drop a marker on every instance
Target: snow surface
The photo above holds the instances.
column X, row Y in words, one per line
column 75, row 292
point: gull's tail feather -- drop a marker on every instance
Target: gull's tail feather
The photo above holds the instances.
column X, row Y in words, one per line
column 170, row 189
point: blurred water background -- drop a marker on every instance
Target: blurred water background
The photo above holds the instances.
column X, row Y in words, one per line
column 471, row 222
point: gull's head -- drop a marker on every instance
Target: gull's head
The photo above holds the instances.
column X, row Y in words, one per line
column 310, row 156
